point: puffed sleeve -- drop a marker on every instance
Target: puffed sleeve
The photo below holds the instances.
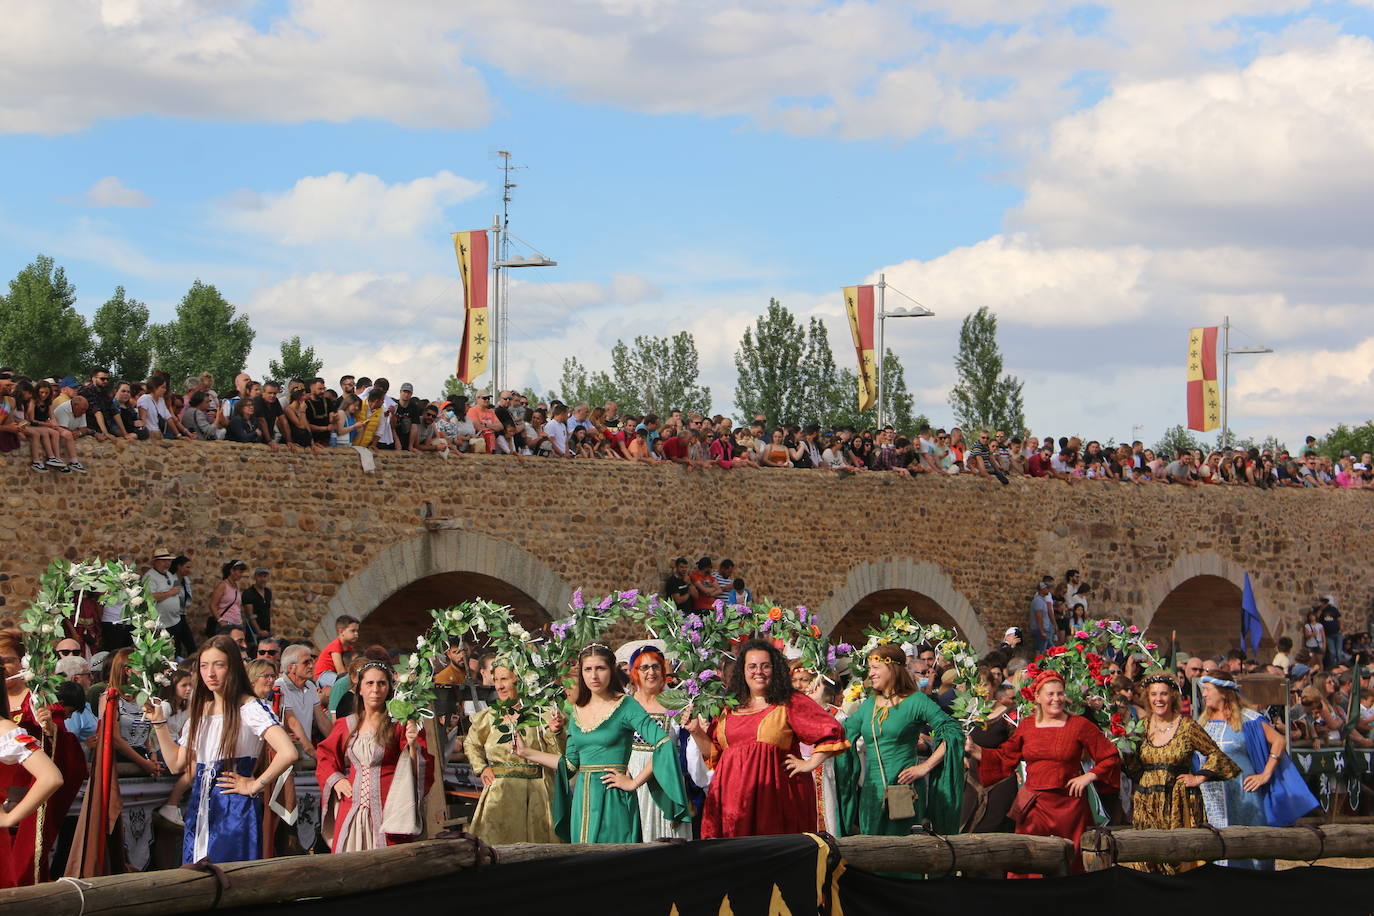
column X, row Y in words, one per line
column 16, row 745
column 666, row 785
column 1106, row 758
column 475, row 743
column 814, row 726
column 1000, row 762
column 258, row 716
column 1215, row 763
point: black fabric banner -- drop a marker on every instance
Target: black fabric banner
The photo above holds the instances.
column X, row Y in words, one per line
column 1120, row 892
column 777, row 876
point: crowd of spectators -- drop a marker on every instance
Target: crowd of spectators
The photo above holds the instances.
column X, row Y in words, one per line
column 300, row 414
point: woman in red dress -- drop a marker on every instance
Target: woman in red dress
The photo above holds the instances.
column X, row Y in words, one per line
column 18, row 844
column 358, row 763
column 1053, row 745
column 761, row 784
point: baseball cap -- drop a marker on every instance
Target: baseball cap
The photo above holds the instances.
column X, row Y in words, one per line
column 68, row 382
column 408, row 387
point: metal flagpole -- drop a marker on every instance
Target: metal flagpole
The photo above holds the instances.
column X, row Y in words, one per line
column 882, row 315
column 1225, row 377
column 495, row 333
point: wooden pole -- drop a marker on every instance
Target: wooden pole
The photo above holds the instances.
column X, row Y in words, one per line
column 181, row 890
column 1354, row 841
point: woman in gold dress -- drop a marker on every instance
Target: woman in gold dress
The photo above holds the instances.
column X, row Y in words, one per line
column 1166, row 793
column 514, row 806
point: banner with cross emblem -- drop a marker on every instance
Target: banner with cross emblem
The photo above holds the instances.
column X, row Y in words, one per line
column 1204, row 399
column 471, row 248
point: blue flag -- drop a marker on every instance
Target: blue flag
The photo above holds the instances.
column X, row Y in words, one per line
column 1251, row 626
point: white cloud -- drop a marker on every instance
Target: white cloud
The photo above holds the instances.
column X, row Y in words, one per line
column 1276, row 153
column 856, row 68
column 111, row 192
column 329, row 60
column 357, row 207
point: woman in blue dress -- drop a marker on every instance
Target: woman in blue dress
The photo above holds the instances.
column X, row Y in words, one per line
column 222, row 738
column 1269, row 792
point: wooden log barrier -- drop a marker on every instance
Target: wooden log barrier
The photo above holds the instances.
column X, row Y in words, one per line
column 1199, row 844
column 165, row 893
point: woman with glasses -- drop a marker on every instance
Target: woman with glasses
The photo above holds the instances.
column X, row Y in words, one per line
column 648, row 673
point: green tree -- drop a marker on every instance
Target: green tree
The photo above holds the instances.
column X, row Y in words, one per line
column 767, row 364
column 455, row 387
column 1342, row 438
column 984, row 398
column 122, row 344
column 205, row 336
column 1175, row 440
column 899, row 407
column 41, row 333
column 296, row 362
column 576, row 385
column 658, row 375
column 823, row 391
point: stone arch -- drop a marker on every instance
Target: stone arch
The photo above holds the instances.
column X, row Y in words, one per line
column 436, row 563
column 899, row 576
column 1199, row 595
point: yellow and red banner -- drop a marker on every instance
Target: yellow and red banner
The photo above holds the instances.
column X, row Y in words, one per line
column 858, row 305
column 1204, row 401
column 471, row 248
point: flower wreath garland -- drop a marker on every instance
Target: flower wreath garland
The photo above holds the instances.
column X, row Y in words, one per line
column 971, row 705
column 1087, row 685
column 413, row 696
column 61, row 589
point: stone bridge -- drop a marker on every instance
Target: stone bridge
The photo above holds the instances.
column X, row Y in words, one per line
column 425, row 532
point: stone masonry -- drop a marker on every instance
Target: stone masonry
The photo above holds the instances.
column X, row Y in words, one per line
column 960, row 550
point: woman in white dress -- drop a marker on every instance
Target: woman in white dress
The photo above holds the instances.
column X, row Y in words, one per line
column 648, row 668
column 222, row 739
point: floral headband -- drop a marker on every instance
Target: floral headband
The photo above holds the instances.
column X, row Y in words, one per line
column 875, row 657
column 1160, row 678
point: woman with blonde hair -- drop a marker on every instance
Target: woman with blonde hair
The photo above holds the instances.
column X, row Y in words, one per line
column 1267, row 790
column 1053, row 744
column 1166, row 791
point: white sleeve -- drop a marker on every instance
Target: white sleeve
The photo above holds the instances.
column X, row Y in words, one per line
column 185, row 735
column 697, row 770
column 255, row 715
column 15, row 746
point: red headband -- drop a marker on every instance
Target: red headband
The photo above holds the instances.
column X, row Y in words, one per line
column 1043, row 678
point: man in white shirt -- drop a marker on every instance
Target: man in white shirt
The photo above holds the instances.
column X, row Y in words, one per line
column 166, row 590
column 557, row 431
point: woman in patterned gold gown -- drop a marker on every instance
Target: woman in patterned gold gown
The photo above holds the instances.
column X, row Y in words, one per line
column 1166, row 793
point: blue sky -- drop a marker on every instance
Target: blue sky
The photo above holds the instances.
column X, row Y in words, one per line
column 1102, row 176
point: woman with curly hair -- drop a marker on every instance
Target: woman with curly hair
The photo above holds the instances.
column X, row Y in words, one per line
column 761, row 784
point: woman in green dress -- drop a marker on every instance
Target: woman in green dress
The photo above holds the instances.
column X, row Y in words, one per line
column 890, row 721
column 601, row 806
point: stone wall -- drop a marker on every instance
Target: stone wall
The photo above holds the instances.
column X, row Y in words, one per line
column 340, row 541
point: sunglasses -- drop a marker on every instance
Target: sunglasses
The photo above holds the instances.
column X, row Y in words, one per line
column 269, row 652
column 65, row 652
